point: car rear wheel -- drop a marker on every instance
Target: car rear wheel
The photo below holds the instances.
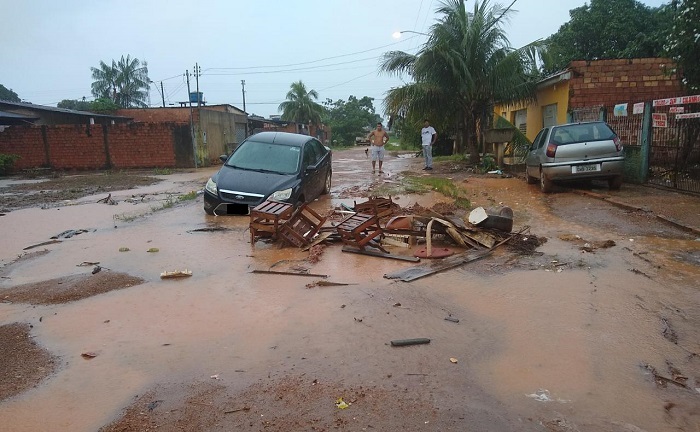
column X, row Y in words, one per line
column 545, row 183
column 327, row 183
column 615, row 183
column 530, row 179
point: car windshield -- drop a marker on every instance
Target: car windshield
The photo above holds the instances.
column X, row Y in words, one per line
column 581, row 132
column 261, row 156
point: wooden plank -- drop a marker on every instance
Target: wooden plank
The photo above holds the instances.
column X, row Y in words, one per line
column 283, row 273
column 412, row 273
column 417, row 272
column 380, row 254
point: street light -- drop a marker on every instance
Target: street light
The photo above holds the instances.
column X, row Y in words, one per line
column 397, row 34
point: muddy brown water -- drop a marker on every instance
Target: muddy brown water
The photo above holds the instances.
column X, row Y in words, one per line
column 537, row 348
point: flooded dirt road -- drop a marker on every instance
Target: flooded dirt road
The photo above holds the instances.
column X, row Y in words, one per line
column 571, row 338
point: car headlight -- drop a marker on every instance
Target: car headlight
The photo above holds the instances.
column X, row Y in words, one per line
column 211, row 187
column 282, row 195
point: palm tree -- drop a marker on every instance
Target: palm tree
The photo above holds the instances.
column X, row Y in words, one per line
column 466, row 66
column 104, row 84
column 300, row 105
column 125, row 82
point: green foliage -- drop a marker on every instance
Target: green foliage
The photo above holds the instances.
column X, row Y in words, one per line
column 520, row 145
column 350, row 119
column 124, row 82
column 488, row 163
column 8, row 95
column 466, row 66
column 300, row 105
column 162, row 171
column 684, row 40
column 609, row 29
column 188, row 196
column 101, row 105
column 75, row 104
column 7, row 162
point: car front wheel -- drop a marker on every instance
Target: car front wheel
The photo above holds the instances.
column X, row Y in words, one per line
column 545, row 183
column 327, row 184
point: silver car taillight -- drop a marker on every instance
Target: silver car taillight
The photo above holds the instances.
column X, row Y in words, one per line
column 618, row 143
column 551, row 150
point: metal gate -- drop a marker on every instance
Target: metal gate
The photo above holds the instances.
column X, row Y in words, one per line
column 674, row 153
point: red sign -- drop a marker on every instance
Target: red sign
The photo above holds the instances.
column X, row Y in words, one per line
column 676, row 110
column 659, row 120
column 684, row 100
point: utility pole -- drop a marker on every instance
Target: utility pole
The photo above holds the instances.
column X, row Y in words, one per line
column 194, row 143
column 246, row 113
column 162, row 93
column 197, row 73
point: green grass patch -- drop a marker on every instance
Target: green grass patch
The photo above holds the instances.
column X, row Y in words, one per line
column 162, row 171
column 188, row 196
column 461, row 157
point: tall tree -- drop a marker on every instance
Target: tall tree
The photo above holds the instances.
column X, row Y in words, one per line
column 684, row 41
column 350, row 119
column 608, row 29
column 466, row 66
column 124, row 82
column 8, row 95
column 301, row 105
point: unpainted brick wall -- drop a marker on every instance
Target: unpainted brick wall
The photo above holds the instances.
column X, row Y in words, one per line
column 610, row 82
column 25, row 141
column 136, row 145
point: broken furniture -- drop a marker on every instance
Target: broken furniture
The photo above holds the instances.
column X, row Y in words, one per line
column 266, row 219
column 380, row 207
column 302, row 226
column 359, row 229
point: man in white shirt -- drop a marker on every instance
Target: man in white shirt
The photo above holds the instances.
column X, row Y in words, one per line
column 428, row 136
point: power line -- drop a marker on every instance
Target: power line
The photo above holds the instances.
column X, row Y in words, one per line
column 314, row 61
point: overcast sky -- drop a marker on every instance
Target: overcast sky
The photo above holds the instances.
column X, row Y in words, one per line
column 48, row 46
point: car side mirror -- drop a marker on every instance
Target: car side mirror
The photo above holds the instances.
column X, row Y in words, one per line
column 223, row 157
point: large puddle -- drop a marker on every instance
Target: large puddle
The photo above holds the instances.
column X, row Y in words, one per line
column 545, row 344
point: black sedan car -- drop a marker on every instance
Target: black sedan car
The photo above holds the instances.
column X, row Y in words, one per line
column 281, row 166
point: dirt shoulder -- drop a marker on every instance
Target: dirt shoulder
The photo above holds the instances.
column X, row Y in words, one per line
column 23, row 363
column 26, row 192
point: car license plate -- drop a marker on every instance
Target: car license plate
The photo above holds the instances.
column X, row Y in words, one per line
column 585, row 168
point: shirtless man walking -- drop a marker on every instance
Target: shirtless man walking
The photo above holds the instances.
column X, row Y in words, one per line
column 377, row 139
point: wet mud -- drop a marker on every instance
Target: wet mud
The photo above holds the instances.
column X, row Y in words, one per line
column 550, row 338
column 23, row 363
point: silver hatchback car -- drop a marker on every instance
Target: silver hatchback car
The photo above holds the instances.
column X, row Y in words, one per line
column 575, row 151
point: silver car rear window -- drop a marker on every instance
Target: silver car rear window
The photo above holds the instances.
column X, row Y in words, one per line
column 569, row 134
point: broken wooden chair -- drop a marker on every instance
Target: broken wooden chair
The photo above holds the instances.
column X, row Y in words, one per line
column 359, row 229
column 266, row 219
column 380, row 207
column 302, row 226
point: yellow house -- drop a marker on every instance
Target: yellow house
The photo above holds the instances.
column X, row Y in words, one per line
column 549, row 108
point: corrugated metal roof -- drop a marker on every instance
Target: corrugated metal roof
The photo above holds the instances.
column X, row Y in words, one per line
column 31, row 106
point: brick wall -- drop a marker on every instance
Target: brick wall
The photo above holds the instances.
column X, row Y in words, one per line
column 135, row 145
column 75, row 146
column 139, row 145
column 610, row 82
column 25, row 141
